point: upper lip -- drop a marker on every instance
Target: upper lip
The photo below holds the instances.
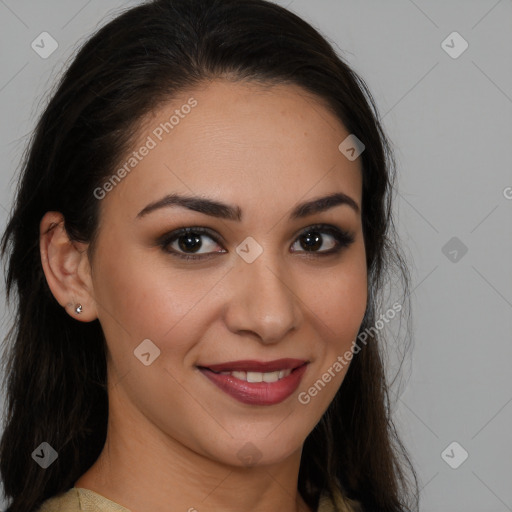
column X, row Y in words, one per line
column 256, row 366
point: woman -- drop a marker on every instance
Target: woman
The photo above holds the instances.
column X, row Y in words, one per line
column 200, row 236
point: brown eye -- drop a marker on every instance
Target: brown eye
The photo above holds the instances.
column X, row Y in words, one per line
column 190, row 242
column 313, row 239
column 186, row 242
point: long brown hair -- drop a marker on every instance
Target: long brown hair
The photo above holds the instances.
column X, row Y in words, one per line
column 55, row 367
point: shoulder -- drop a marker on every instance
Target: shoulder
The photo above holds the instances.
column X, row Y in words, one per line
column 78, row 499
column 64, row 502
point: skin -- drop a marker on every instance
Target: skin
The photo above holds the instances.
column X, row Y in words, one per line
column 173, row 437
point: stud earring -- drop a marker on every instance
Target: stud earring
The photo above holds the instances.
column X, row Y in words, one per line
column 78, row 309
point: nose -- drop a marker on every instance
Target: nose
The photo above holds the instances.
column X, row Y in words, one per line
column 264, row 302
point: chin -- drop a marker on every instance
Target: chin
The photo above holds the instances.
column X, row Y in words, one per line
column 257, row 451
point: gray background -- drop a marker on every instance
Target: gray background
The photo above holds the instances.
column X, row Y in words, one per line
column 450, row 120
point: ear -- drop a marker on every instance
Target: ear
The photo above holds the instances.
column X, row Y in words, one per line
column 66, row 267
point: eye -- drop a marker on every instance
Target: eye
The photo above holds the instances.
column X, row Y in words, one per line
column 312, row 239
column 186, row 243
column 189, row 239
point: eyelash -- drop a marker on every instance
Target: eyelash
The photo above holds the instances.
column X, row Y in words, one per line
column 343, row 239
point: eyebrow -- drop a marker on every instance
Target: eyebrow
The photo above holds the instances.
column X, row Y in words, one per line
column 234, row 212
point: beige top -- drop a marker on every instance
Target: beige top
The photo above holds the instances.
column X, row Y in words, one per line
column 78, row 499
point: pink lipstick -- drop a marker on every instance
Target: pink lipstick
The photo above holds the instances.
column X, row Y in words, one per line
column 256, row 382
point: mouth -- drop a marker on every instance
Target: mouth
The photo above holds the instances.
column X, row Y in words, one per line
column 255, row 382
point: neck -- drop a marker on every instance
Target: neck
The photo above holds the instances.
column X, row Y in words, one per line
column 153, row 472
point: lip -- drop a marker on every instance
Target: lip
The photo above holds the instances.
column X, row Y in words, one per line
column 256, row 366
column 257, row 393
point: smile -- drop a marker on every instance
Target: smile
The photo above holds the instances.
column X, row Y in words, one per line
column 259, row 376
column 257, row 383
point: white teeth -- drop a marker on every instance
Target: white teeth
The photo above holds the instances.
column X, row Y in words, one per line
column 259, row 376
column 271, row 377
column 254, row 377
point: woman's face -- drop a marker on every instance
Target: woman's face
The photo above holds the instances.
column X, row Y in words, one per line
column 234, row 355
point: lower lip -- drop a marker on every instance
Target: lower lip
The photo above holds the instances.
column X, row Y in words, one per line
column 257, row 393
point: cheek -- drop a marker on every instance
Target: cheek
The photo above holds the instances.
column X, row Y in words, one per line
column 141, row 297
column 133, row 305
column 140, row 294
column 347, row 306
column 341, row 302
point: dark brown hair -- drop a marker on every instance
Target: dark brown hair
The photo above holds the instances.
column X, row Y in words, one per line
column 55, row 367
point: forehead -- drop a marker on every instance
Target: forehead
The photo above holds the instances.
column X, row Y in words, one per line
column 243, row 143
